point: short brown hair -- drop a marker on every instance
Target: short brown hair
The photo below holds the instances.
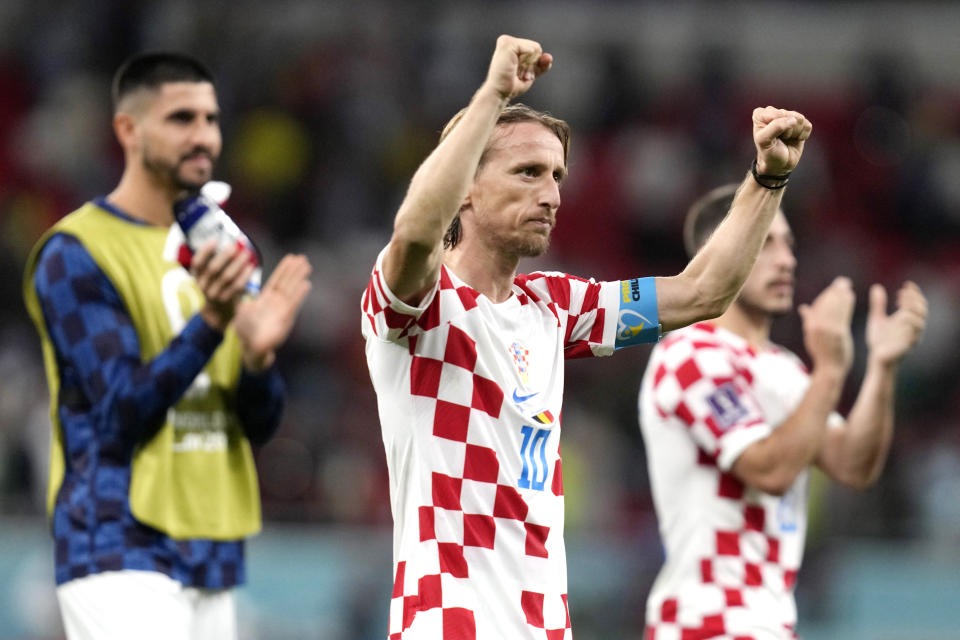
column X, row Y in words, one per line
column 705, row 215
column 511, row 114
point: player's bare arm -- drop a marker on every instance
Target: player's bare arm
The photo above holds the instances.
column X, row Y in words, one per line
column 439, row 187
column 712, row 279
column 855, row 453
column 773, row 463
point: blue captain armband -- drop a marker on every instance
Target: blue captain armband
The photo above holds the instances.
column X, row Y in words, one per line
column 637, row 320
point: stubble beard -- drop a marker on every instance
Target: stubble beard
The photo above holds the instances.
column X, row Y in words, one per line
column 522, row 244
column 171, row 174
column 515, row 242
column 521, row 247
column 759, row 308
column 525, row 248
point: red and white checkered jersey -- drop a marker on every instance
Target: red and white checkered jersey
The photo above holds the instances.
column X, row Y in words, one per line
column 469, row 394
column 732, row 552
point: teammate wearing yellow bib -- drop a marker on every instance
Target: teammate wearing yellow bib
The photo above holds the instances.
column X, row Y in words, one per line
column 160, row 378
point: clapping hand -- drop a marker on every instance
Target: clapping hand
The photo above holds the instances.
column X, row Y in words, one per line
column 826, row 326
column 264, row 323
column 890, row 337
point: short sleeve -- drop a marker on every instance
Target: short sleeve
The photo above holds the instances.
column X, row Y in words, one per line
column 589, row 312
column 701, row 385
column 385, row 316
column 591, row 319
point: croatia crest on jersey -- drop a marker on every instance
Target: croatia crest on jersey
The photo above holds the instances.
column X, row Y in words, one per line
column 519, row 354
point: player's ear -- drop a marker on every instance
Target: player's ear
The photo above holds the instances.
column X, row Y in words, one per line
column 125, row 128
column 466, row 205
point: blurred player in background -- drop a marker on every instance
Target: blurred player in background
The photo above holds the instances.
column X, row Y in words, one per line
column 160, row 379
column 731, row 424
column 466, row 356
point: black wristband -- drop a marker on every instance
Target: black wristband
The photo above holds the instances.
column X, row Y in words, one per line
column 767, row 181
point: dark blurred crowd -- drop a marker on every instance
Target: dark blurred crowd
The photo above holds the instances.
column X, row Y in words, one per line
column 329, row 107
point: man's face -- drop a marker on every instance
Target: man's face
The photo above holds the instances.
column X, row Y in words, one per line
column 769, row 288
column 179, row 134
column 516, row 193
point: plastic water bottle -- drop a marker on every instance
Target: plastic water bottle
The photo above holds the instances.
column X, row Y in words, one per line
column 202, row 219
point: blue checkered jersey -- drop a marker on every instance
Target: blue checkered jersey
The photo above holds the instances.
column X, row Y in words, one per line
column 108, row 402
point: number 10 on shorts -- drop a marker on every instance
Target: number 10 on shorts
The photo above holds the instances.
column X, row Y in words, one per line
column 533, row 453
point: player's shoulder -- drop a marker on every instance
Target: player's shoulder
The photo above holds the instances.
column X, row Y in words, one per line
column 556, row 289
column 544, row 278
column 702, row 335
column 781, row 352
column 702, row 344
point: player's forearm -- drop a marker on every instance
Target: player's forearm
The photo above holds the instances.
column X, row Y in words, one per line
column 727, row 259
column 434, row 198
column 714, row 276
column 260, row 399
column 442, row 182
column 773, row 464
column 141, row 395
column 866, row 436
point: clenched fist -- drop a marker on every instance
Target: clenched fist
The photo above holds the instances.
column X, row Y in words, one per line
column 779, row 136
column 516, row 63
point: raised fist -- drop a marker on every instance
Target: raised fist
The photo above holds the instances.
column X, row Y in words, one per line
column 779, row 136
column 516, row 63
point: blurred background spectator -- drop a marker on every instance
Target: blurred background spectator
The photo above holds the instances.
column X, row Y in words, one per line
column 328, row 108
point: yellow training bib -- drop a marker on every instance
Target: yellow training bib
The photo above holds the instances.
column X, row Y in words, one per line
column 195, row 477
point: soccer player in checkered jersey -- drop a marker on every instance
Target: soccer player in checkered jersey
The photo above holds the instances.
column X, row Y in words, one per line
column 731, row 424
column 466, row 356
column 160, row 378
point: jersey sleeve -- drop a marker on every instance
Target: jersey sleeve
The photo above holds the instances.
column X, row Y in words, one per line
column 260, row 400
column 98, row 350
column 385, row 316
column 599, row 317
column 700, row 384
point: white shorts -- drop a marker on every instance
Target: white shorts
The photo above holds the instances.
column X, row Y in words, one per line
column 119, row 605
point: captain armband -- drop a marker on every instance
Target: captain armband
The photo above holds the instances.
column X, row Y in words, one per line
column 637, row 320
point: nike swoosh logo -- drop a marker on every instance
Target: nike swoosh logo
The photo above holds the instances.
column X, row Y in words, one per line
column 520, row 399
